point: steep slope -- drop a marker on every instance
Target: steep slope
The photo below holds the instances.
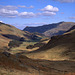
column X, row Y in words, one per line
column 51, row 29
column 60, row 47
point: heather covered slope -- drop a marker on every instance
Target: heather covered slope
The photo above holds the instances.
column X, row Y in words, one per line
column 51, row 29
column 61, row 47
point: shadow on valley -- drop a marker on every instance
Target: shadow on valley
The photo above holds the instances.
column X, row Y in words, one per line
column 9, row 36
column 33, row 37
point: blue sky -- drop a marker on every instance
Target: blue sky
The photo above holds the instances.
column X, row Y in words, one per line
column 22, row 13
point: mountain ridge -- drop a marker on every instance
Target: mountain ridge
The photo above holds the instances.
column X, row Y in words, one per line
column 51, row 29
column 41, row 27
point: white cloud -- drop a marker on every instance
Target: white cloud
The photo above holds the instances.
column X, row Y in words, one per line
column 27, row 14
column 48, row 13
column 9, row 7
column 8, row 13
column 65, row 1
column 71, row 17
column 12, row 12
column 31, row 14
column 50, row 8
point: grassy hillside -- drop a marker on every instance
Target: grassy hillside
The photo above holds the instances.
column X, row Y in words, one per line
column 9, row 32
column 60, row 47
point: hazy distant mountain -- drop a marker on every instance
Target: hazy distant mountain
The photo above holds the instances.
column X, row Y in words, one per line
column 51, row 29
column 41, row 29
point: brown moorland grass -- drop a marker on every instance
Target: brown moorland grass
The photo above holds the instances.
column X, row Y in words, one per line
column 60, row 47
column 23, row 65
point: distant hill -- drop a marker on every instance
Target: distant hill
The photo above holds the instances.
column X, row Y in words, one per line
column 51, row 29
column 41, row 29
column 60, row 29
